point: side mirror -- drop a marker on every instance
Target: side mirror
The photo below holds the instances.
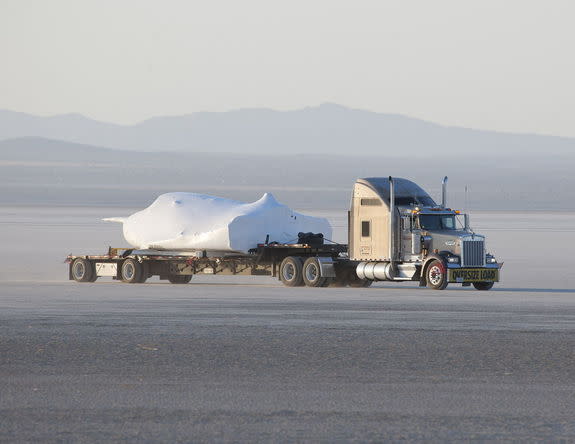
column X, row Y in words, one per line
column 466, row 219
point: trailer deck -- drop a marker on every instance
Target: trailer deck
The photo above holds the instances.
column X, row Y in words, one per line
column 136, row 266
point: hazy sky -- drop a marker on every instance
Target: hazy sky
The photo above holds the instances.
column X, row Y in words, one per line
column 507, row 65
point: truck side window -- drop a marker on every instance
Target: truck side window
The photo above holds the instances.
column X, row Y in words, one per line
column 365, row 228
column 371, row 202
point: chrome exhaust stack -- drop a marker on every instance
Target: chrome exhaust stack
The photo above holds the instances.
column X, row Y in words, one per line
column 391, row 218
column 444, row 192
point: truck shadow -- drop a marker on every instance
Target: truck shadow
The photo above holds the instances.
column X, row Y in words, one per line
column 535, row 290
column 496, row 289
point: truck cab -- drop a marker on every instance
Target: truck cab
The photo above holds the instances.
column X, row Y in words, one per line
column 398, row 232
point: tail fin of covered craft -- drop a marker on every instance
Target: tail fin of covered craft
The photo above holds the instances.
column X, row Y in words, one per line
column 116, row 219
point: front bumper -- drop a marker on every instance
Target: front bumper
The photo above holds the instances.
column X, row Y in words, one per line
column 489, row 273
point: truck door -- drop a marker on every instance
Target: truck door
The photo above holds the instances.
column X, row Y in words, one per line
column 405, row 235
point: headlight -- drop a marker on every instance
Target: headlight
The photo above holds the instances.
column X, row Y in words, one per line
column 490, row 260
column 453, row 259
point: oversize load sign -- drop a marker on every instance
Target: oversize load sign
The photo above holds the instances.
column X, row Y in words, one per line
column 473, row 275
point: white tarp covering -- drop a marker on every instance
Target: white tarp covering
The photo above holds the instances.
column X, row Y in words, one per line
column 190, row 221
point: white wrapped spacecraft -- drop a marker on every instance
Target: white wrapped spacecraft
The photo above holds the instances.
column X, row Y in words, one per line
column 190, row 222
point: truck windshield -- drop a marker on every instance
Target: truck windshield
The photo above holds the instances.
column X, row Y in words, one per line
column 437, row 221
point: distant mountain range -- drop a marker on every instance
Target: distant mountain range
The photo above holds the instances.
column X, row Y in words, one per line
column 325, row 129
column 309, row 158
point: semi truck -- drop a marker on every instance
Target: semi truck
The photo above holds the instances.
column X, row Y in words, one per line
column 396, row 232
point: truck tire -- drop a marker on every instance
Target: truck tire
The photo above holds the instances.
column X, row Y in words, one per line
column 436, row 275
column 291, row 271
column 355, row 282
column 360, row 283
column 312, row 273
column 145, row 272
column 333, row 283
column 82, row 270
column 180, row 278
column 330, row 282
column 131, row 271
column 483, row 286
column 340, row 280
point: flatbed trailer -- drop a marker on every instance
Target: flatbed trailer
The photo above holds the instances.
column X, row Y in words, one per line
column 284, row 261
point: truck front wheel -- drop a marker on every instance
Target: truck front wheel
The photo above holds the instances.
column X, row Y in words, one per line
column 483, row 286
column 291, row 271
column 436, row 275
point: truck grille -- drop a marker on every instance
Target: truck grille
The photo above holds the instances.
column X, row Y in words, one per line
column 473, row 253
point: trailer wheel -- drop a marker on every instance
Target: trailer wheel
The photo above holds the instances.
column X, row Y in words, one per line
column 145, row 273
column 83, row 270
column 180, row 278
column 312, row 273
column 94, row 275
column 131, row 271
column 436, row 275
column 483, row 286
column 291, row 271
